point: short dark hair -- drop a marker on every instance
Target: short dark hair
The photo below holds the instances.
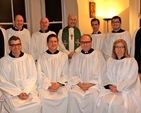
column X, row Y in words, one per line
column 13, row 38
column 86, row 35
column 50, row 36
column 116, row 17
column 95, row 19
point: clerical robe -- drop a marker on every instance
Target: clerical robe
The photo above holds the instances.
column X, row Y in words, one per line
column 24, row 35
column 70, row 43
column 122, row 73
column 84, row 68
column 38, row 43
column 19, row 75
column 53, row 68
column 97, row 41
column 111, row 38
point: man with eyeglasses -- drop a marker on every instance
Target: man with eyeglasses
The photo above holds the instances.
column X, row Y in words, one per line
column 116, row 33
column 97, row 36
column 20, row 31
column 84, row 72
column 18, row 80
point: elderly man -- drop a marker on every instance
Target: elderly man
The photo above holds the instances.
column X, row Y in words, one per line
column 38, row 41
column 18, row 80
column 52, row 68
column 84, row 73
column 69, row 37
column 117, row 33
column 21, row 32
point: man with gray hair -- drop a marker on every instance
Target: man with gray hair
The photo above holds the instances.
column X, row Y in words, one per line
column 69, row 37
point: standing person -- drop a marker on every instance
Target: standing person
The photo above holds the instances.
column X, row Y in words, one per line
column 84, row 73
column 136, row 47
column 3, row 42
column 19, row 31
column 120, row 85
column 18, row 80
column 38, row 41
column 97, row 36
column 69, row 37
column 117, row 33
column 52, row 68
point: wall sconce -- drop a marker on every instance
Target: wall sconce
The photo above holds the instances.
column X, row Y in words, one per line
column 107, row 20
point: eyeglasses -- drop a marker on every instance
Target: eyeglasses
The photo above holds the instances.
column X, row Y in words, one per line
column 14, row 45
column 121, row 47
column 115, row 22
column 85, row 42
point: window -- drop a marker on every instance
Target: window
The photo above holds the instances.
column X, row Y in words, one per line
column 54, row 14
column 8, row 10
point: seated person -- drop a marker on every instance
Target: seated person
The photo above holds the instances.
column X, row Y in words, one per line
column 52, row 68
column 120, row 85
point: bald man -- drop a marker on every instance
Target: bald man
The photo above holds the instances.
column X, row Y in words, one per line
column 19, row 31
column 38, row 41
column 69, row 37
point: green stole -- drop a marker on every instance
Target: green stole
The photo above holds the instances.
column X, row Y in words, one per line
column 65, row 37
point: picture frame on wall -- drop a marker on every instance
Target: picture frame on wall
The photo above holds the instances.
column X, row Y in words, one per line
column 92, row 9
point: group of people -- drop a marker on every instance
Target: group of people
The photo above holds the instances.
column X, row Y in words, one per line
column 70, row 72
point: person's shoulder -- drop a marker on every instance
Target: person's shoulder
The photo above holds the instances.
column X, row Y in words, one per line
column 51, row 32
column 9, row 29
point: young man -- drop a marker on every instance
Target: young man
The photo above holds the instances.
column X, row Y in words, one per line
column 117, row 33
column 97, row 36
column 21, row 32
column 69, row 37
column 84, row 72
column 18, row 80
column 52, row 68
column 38, row 41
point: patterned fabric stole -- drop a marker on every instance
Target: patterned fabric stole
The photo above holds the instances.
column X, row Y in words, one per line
column 65, row 37
column 1, row 44
column 137, row 54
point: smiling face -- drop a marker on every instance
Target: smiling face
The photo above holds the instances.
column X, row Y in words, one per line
column 19, row 21
column 95, row 26
column 15, row 47
column 86, row 43
column 44, row 23
column 116, row 24
column 52, row 44
column 72, row 20
column 119, row 49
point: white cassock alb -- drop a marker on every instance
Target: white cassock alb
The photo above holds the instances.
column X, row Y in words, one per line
column 71, row 42
column 110, row 38
column 97, row 41
column 38, row 43
column 24, row 35
column 19, row 75
column 53, row 68
column 84, row 68
column 123, row 74
column 5, row 40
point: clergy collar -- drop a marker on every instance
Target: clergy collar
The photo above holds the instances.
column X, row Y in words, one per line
column 120, row 58
column 56, row 52
column 15, row 29
column 90, row 51
column 96, row 32
column 43, row 31
column 21, row 54
column 119, row 31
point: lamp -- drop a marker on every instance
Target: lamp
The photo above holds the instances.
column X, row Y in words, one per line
column 107, row 20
